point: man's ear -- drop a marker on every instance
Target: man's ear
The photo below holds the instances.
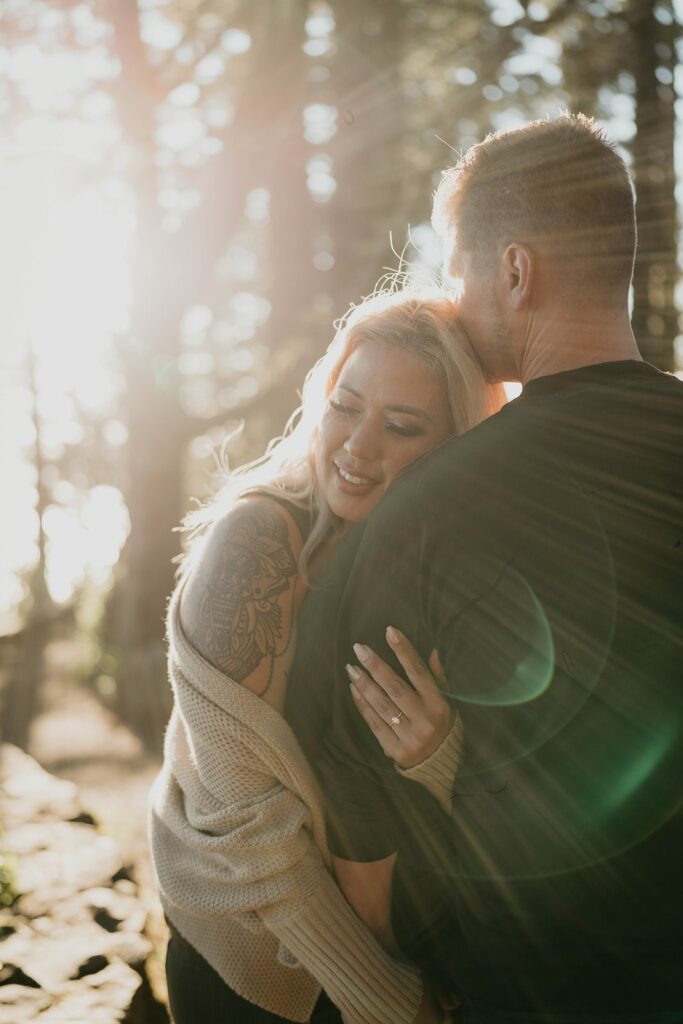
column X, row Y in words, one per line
column 519, row 266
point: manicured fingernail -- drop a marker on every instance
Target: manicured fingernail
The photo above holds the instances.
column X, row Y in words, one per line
column 361, row 652
column 392, row 635
column 355, row 693
column 353, row 672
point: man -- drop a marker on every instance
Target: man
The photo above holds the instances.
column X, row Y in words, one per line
column 541, row 556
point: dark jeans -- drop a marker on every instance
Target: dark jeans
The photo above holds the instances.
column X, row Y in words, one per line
column 198, row 995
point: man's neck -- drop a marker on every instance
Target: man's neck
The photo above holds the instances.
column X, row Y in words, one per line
column 561, row 344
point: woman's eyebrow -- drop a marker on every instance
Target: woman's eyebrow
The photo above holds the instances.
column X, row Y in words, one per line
column 345, row 387
column 411, row 410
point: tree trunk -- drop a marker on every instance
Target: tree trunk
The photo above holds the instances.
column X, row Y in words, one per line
column 134, row 621
column 295, row 331
column 263, row 140
column 366, row 153
column 21, row 690
column 655, row 320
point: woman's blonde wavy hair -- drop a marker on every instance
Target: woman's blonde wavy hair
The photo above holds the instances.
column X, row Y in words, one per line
column 421, row 321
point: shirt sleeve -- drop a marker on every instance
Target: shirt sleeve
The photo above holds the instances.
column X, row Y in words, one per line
column 367, row 800
column 420, row 566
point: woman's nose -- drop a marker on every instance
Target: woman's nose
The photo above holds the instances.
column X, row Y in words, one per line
column 361, row 443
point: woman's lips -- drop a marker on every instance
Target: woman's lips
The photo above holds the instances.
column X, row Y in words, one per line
column 352, row 483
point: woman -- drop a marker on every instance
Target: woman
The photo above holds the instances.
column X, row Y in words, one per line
column 237, row 823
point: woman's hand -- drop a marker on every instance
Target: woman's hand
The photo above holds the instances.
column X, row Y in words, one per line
column 410, row 720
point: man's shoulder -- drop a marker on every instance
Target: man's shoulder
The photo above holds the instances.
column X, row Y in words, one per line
column 533, row 431
column 495, row 448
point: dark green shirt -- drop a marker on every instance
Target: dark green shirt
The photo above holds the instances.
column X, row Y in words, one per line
column 541, row 555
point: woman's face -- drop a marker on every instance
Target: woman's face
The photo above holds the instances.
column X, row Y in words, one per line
column 385, row 410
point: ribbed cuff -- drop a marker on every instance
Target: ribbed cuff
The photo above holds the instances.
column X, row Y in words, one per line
column 437, row 772
column 334, row 945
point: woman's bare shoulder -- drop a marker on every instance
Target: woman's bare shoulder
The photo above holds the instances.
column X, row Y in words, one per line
column 237, row 606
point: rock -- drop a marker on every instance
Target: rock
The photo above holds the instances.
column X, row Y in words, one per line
column 133, row 949
column 60, row 857
column 30, row 793
column 111, row 996
column 19, row 1005
column 74, row 949
column 54, row 957
column 115, row 910
column 126, row 886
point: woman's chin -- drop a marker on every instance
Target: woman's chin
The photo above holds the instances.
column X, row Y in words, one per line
column 352, row 509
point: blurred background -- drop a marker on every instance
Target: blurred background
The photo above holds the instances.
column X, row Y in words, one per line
column 191, row 192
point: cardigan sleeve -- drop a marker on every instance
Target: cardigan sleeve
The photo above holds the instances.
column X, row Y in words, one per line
column 334, row 945
column 437, row 772
column 231, row 839
column 273, row 874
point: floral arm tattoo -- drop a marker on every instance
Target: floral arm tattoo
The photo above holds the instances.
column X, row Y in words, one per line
column 234, row 613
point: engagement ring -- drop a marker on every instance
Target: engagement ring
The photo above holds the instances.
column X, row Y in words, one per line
column 397, row 718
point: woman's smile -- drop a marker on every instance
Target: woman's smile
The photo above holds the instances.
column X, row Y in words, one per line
column 352, row 481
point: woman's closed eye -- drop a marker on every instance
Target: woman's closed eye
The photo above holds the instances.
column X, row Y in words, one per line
column 402, row 429
column 339, row 406
column 405, row 431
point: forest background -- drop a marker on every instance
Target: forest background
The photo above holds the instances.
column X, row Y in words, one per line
column 192, row 191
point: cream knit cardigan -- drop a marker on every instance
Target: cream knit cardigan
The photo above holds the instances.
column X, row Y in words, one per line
column 238, row 841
